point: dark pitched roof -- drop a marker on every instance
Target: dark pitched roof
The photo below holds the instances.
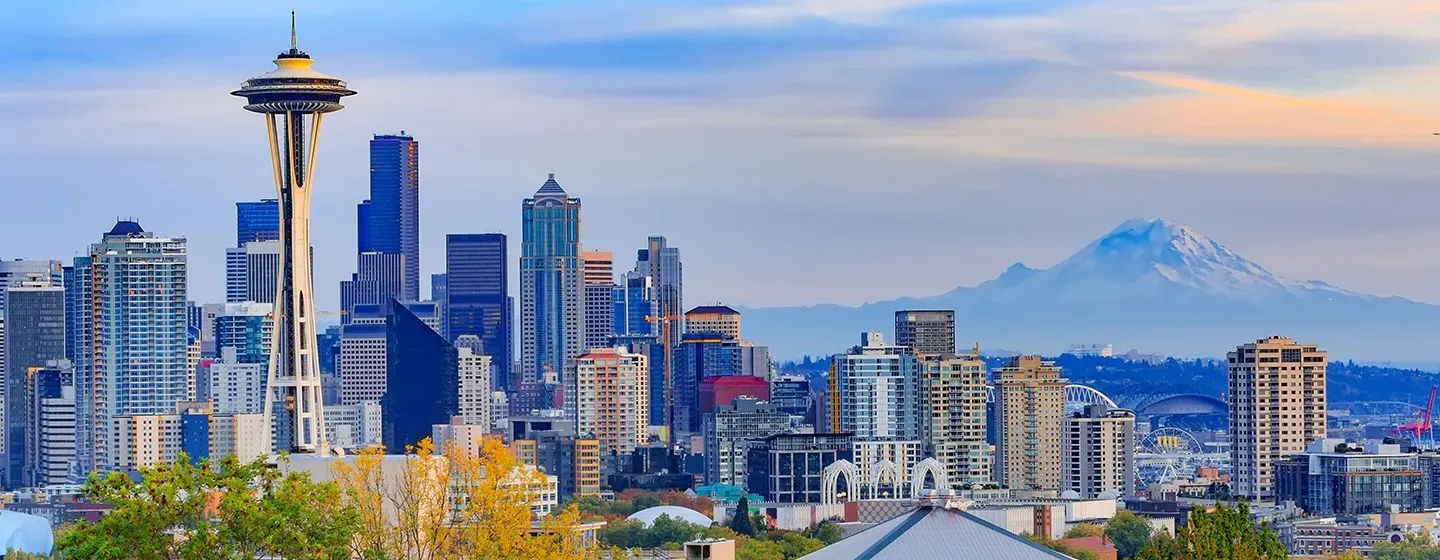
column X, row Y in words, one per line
column 720, row 309
column 126, row 227
column 551, row 187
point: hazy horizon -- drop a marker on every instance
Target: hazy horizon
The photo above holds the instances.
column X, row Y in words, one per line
column 769, row 140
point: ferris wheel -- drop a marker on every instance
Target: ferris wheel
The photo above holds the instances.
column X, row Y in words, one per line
column 1168, row 453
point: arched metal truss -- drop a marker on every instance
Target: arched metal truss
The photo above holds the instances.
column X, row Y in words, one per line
column 1076, row 397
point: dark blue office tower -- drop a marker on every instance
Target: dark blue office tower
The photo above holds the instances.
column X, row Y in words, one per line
column 390, row 221
column 477, row 290
column 421, row 380
column 257, row 221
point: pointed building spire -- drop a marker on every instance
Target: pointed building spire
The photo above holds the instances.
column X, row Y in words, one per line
column 292, row 32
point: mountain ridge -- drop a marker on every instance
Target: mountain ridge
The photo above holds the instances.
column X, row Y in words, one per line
column 1149, row 284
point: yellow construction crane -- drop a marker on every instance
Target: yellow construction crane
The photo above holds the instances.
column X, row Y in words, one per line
column 667, row 322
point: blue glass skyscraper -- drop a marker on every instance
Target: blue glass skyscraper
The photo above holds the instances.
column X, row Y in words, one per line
column 700, row 355
column 551, row 282
column 257, row 221
column 477, row 289
column 389, row 222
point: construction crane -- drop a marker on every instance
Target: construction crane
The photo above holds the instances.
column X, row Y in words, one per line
column 667, row 322
column 1422, row 430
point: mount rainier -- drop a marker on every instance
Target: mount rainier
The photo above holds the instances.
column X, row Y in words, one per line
column 1153, row 285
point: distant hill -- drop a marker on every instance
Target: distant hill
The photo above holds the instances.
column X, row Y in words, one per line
column 1120, row 378
column 1150, row 284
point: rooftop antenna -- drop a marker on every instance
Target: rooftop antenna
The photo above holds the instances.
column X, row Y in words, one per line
column 292, row 31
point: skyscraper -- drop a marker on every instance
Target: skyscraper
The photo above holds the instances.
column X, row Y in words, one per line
column 599, row 288
column 294, row 98
column 730, row 430
column 477, row 287
column 380, row 278
column 134, row 360
column 35, row 324
column 952, row 400
column 926, row 332
column 661, row 264
column 1277, row 407
column 551, row 284
column 257, row 221
column 390, row 219
column 698, row 357
column 363, row 361
column 1030, row 406
column 632, row 301
column 251, row 271
column 422, row 375
column 878, row 388
column 15, row 271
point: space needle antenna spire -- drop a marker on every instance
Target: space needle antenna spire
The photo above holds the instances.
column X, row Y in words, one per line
column 292, row 31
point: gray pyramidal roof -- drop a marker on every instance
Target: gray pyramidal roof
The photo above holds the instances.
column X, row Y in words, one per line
column 551, row 187
column 935, row 533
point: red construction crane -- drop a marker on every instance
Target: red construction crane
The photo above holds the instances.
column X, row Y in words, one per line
column 1421, row 425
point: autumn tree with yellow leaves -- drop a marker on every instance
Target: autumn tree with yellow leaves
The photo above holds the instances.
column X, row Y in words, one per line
column 451, row 504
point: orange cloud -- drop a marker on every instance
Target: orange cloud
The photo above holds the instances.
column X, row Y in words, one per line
column 1232, row 112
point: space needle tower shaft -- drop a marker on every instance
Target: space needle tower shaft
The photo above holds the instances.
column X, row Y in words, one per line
column 293, row 98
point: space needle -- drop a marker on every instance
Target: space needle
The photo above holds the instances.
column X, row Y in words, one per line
column 293, row 98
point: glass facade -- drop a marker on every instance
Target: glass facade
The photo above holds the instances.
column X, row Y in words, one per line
column 136, row 362
column 34, row 335
column 786, row 468
column 551, row 288
column 477, row 288
column 421, row 379
column 392, row 219
column 257, row 221
column 699, row 355
column 1351, row 483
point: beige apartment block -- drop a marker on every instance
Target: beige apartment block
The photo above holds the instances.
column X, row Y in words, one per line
column 1277, row 407
column 1030, row 409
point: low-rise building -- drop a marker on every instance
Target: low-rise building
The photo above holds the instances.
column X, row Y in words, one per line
column 786, row 468
column 1334, row 478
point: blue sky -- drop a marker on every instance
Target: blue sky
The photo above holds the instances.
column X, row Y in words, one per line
column 798, row 151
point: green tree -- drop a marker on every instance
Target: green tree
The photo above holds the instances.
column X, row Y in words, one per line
column 758, row 549
column 827, row 532
column 1128, row 532
column 1228, row 533
column 1413, row 547
column 741, row 522
column 794, row 545
column 1085, row 530
column 226, row 510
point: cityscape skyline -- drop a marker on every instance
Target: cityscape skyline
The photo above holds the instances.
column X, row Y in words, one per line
column 467, row 193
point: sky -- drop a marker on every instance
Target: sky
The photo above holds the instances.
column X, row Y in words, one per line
column 797, row 151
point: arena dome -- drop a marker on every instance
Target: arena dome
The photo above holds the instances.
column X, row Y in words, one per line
column 648, row 515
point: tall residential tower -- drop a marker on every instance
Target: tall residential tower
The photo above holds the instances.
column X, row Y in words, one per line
column 1277, row 407
column 294, row 97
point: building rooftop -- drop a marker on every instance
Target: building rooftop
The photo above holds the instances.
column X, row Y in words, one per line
column 713, row 309
column 126, row 228
column 551, row 187
column 935, row 532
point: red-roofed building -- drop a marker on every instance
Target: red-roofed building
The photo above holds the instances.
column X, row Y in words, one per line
column 721, row 389
column 1101, row 546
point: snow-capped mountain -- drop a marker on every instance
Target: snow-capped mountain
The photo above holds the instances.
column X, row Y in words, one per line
column 1149, row 284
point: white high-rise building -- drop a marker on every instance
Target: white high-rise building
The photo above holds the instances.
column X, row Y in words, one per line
column 1277, row 408
column 135, row 358
column 50, row 424
column 475, row 390
column 877, row 386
